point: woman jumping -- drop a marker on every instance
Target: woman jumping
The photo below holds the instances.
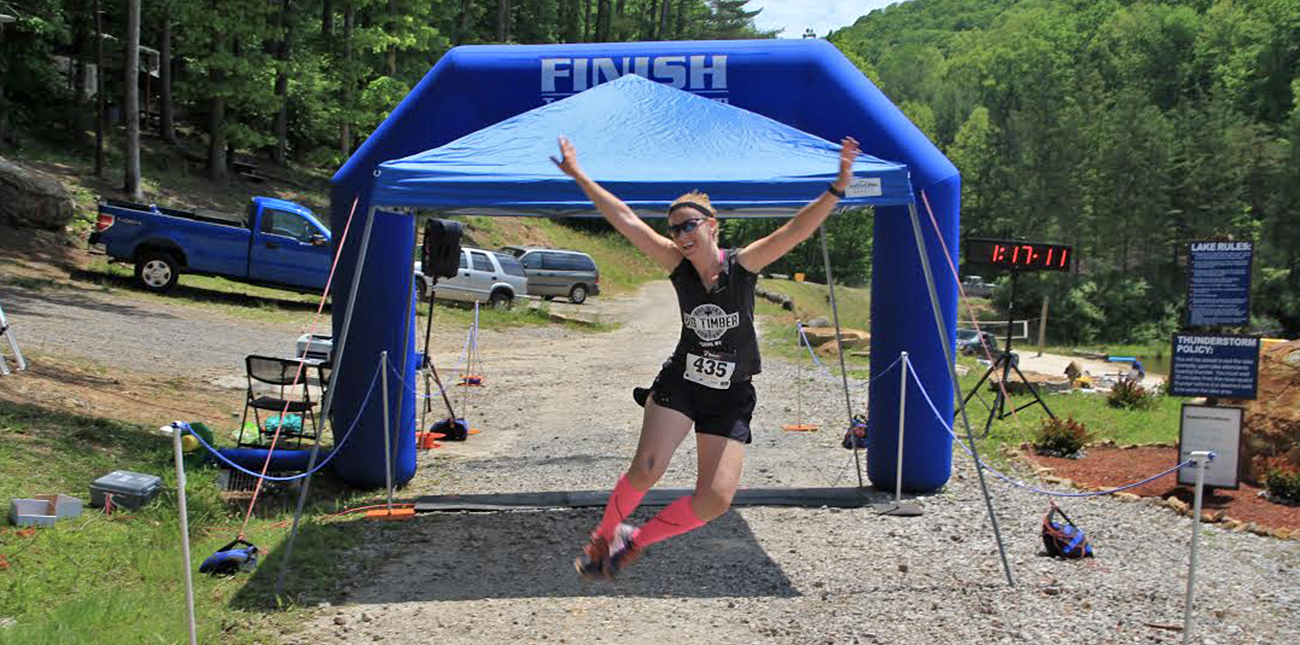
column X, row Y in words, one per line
column 706, row 381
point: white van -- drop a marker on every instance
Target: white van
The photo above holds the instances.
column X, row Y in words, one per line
column 484, row 276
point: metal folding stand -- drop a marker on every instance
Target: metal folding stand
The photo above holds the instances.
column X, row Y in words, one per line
column 1003, row 363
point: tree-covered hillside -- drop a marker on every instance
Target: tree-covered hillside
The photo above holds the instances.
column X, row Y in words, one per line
column 1123, row 128
column 297, row 80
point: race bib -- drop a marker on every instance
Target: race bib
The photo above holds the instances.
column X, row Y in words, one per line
column 709, row 371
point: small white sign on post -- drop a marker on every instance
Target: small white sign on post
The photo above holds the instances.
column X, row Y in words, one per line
column 1213, row 429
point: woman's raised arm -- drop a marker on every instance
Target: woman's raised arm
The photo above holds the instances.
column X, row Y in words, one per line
column 658, row 248
column 769, row 249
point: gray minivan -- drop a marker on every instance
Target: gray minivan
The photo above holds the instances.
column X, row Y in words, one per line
column 556, row 272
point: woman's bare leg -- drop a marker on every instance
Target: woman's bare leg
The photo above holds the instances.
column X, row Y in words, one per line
column 662, row 431
column 720, row 463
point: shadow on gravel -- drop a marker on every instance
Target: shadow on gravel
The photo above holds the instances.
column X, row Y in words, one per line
column 511, row 555
column 39, row 303
column 195, row 294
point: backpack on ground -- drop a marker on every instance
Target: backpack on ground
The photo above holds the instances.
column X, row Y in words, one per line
column 1064, row 540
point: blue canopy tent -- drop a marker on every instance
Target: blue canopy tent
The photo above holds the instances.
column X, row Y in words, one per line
column 629, row 138
column 475, row 136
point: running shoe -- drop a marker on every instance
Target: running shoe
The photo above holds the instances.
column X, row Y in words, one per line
column 623, row 551
column 594, row 559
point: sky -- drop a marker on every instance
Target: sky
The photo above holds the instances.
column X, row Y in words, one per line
column 822, row 15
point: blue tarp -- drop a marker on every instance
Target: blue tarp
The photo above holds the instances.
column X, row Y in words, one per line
column 647, row 143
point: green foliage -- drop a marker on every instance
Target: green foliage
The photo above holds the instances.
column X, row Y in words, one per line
column 1128, row 395
column 1061, row 437
column 1283, row 481
column 1124, row 129
column 848, row 239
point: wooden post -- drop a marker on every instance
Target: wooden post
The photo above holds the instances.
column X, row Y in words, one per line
column 1042, row 327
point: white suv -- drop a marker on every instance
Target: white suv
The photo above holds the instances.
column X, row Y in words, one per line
column 484, row 276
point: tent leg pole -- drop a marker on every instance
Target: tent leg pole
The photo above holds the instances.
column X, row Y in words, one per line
column 401, row 393
column 952, row 373
column 839, row 345
column 337, row 359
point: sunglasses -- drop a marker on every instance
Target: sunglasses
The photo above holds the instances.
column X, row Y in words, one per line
column 685, row 227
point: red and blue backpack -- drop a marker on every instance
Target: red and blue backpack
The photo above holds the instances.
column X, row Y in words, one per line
column 1064, row 540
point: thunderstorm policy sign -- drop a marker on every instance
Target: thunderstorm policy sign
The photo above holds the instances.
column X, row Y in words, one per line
column 1214, row 365
column 1212, row 429
column 1218, row 283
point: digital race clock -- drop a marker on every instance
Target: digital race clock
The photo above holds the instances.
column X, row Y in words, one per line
column 1019, row 255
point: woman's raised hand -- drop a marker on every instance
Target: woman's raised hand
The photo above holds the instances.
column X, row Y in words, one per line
column 849, row 150
column 568, row 159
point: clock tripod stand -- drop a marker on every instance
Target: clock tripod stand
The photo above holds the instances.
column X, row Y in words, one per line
column 1003, row 363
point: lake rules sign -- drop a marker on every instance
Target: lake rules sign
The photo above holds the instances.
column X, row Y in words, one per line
column 1213, row 429
column 1214, row 365
column 1218, row 283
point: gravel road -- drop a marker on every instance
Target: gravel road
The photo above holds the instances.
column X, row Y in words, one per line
column 138, row 334
column 556, row 414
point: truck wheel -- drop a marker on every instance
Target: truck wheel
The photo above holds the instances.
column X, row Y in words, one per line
column 578, row 294
column 500, row 300
column 157, row 272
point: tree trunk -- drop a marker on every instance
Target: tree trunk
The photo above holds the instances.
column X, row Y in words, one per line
column 462, row 28
column 602, row 21
column 680, row 32
column 4, row 104
column 79, row 37
column 503, row 20
column 345, row 129
column 131, row 101
column 217, row 114
column 101, row 102
column 586, row 21
column 617, row 20
column 166, row 116
column 326, row 21
column 664, row 13
column 390, row 57
column 281, row 152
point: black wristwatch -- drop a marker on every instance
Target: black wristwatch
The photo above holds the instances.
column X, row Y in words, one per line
column 830, row 188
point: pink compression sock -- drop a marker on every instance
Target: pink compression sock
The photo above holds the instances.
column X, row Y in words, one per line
column 675, row 519
column 621, row 503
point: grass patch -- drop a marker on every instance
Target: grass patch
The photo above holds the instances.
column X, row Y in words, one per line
column 95, row 579
column 33, row 284
column 1157, row 424
column 779, row 336
column 622, row 267
column 234, row 298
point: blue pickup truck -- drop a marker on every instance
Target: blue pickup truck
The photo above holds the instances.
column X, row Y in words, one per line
column 275, row 243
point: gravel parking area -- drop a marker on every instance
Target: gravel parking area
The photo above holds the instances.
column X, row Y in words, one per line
column 556, row 414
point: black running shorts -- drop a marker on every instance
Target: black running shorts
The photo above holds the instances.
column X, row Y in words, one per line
column 725, row 413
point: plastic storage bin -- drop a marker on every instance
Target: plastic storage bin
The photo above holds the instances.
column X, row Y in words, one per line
column 129, row 490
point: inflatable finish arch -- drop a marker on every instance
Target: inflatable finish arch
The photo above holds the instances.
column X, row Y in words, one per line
column 806, row 84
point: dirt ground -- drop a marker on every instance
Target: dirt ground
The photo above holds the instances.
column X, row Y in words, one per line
column 1109, row 467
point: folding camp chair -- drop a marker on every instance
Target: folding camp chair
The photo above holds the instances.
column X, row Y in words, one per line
column 279, row 373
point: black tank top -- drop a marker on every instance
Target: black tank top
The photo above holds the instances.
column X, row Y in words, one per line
column 718, row 323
